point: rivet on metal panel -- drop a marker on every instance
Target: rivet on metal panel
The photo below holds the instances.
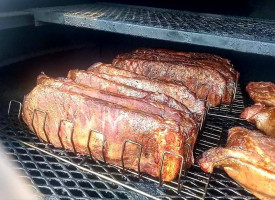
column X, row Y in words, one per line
column 103, row 143
column 44, row 122
column 139, row 155
column 181, row 166
column 71, row 134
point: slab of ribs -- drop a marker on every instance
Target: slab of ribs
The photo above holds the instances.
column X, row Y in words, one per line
column 216, row 74
column 248, row 158
column 141, row 110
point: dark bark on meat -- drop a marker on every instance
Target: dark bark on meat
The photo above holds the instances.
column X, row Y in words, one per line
column 222, row 66
column 187, row 74
column 248, row 158
column 116, row 122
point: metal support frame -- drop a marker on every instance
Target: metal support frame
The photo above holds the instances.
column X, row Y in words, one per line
column 103, row 144
column 139, row 155
column 71, row 134
column 234, row 33
column 181, row 166
column 202, row 84
column 229, row 85
column 44, row 122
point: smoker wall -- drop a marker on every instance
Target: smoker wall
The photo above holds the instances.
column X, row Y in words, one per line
column 22, row 43
column 54, row 49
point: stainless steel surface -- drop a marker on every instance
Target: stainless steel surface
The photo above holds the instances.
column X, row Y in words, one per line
column 233, row 33
column 15, row 19
column 61, row 174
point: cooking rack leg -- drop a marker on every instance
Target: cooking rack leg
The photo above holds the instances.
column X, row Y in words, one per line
column 202, row 84
column 19, row 110
column 37, row 110
column 71, row 133
column 181, row 166
column 103, row 143
column 231, row 86
column 139, row 155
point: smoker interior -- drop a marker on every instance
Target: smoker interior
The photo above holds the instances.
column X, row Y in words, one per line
column 71, row 48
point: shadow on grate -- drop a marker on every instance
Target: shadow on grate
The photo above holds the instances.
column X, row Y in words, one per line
column 55, row 178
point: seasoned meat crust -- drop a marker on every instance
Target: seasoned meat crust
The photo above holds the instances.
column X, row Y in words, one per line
column 262, row 116
column 262, row 92
column 222, row 65
column 217, row 65
column 177, row 91
column 188, row 74
column 116, row 122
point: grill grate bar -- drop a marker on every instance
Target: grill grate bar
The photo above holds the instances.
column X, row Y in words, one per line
column 179, row 26
column 83, row 168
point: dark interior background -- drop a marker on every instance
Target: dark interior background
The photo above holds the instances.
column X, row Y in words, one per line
column 54, row 49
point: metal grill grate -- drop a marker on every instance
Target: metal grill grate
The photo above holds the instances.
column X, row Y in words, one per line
column 55, row 178
column 241, row 34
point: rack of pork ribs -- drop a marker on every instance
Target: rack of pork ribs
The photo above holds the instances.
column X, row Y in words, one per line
column 142, row 112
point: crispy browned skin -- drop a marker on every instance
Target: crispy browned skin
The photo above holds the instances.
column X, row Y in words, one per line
column 188, row 74
column 248, row 158
column 262, row 116
column 176, row 91
column 262, row 92
column 116, row 122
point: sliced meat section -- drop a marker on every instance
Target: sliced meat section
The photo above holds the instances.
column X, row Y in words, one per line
column 117, row 123
column 176, row 91
column 189, row 75
column 262, row 116
column 248, row 158
column 262, row 92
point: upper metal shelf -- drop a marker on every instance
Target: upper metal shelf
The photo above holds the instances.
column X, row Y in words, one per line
column 233, row 33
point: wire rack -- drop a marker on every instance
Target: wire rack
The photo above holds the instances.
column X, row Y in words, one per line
column 235, row 33
column 60, row 174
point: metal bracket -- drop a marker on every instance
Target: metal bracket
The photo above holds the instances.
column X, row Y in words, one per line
column 44, row 122
column 103, row 143
column 229, row 84
column 19, row 111
column 139, row 155
column 161, row 167
column 71, row 135
column 203, row 84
